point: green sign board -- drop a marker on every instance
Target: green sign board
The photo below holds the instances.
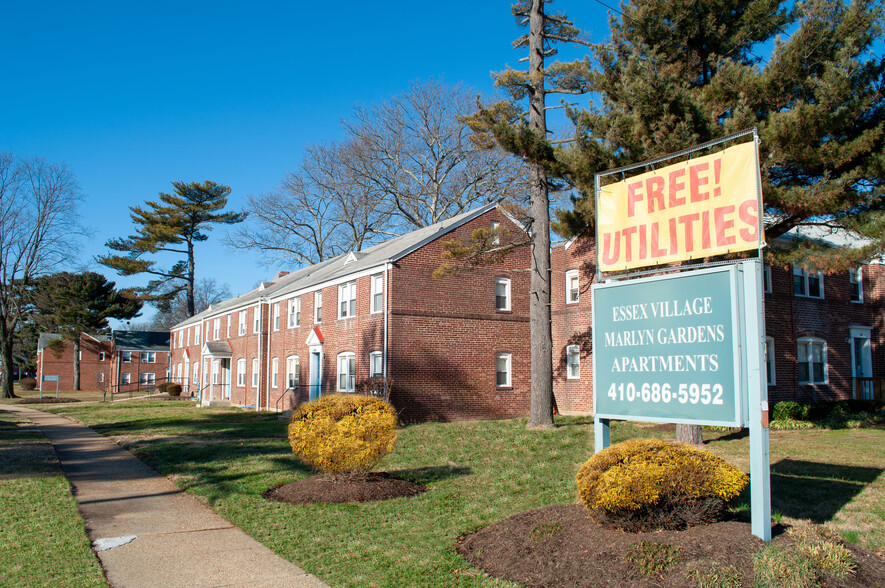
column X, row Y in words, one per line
column 668, row 349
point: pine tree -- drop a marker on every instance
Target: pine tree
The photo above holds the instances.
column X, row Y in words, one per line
column 174, row 224
column 73, row 304
column 523, row 135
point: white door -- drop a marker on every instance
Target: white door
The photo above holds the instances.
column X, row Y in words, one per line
column 861, row 363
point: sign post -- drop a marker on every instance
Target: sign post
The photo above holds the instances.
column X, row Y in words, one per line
column 49, row 379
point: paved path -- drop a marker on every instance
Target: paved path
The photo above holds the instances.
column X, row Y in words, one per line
column 146, row 531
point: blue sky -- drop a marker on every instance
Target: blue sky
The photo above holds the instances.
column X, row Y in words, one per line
column 134, row 95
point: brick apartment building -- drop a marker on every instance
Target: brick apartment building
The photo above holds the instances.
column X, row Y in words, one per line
column 107, row 362
column 823, row 332
column 453, row 348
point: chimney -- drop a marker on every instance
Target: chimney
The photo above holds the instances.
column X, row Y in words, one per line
column 280, row 274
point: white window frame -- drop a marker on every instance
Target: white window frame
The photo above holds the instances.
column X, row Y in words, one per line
column 855, row 281
column 293, row 368
column 188, row 337
column 508, row 370
column 216, row 329
column 198, row 332
column 295, row 312
column 101, row 356
column 275, row 372
column 496, row 239
column 196, row 372
column 769, row 362
column 148, row 357
column 146, row 379
column 241, row 372
column 376, row 360
column 126, row 356
column 230, row 319
column 125, row 378
column 318, row 307
column 256, row 319
column 573, row 368
column 572, row 294
column 766, row 279
column 377, row 293
column 276, row 316
column 243, row 326
column 347, row 300
column 216, row 370
column 505, row 283
column 255, row 372
column 346, row 371
column 808, row 344
column 805, row 280
column 100, row 377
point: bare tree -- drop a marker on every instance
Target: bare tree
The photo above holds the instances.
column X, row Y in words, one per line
column 206, row 292
column 38, row 231
column 417, row 153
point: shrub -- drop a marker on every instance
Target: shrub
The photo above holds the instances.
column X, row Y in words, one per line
column 644, row 484
column 343, row 432
column 170, row 388
column 650, row 558
column 374, row 387
column 775, row 567
column 816, row 554
column 28, row 383
column 787, row 410
column 710, row 575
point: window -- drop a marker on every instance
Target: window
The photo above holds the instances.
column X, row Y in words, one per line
column 318, row 307
column 502, row 293
column 502, row 369
column 148, row 357
column 126, row 356
column 573, row 354
column 215, row 370
column 198, row 330
column 254, row 372
column 496, row 237
column 101, row 377
column 856, row 283
column 376, row 365
column 275, row 372
column 347, row 300
column 805, row 284
column 242, row 322
column 811, row 355
column 101, row 356
column 230, row 319
column 146, row 379
column 216, row 329
column 256, row 322
column 196, row 373
column 241, row 372
column 346, row 372
column 572, row 287
column 188, row 337
column 377, row 293
column 294, row 312
column 125, row 378
column 292, row 371
column 276, row 316
column 769, row 361
column 766, row 279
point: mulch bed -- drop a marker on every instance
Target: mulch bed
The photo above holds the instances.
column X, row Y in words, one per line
column 359, row 487
column 559, row 546
column 47, row 400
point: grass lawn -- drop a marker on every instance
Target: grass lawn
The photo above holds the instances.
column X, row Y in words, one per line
column 49, row 392
column 477, row 473
column 42, row 540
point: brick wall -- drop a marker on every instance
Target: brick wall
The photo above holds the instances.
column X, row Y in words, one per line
column 91, row 367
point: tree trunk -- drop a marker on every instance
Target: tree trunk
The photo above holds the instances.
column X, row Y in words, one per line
column 541, row 408
column 690, row 434
column 191, row 266
column 76, row 342
column 6, row 362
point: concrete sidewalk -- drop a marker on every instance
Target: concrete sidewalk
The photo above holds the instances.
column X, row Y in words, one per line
column 145, row 530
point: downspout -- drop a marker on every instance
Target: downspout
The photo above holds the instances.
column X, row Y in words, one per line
column 386, row 320
column 267, row 362
column 260, row 324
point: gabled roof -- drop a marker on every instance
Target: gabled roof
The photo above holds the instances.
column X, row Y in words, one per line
column 44, row 339
column 142, row 340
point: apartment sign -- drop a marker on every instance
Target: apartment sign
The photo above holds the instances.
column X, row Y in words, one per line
column 699, row 208
column 668, row 348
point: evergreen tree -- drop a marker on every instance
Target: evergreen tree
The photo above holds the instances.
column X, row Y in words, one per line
column 174, row 224
column 72, row 304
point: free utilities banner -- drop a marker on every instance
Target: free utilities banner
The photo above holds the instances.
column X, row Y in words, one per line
column 698, row 208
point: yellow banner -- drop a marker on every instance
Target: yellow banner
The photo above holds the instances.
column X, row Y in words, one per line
column 699, row 208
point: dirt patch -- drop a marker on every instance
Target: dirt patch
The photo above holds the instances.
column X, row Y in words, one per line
column 48, row 400
column 362, row 487
column 560, row 546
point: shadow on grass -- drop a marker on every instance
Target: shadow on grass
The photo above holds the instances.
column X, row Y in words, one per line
column 430, row 474
column 816, row 491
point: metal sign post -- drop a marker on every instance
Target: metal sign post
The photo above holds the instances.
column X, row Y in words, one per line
column 49, row 379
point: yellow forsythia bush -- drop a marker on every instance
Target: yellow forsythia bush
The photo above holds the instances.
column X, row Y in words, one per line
column 641, row 473
column 343, row 433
